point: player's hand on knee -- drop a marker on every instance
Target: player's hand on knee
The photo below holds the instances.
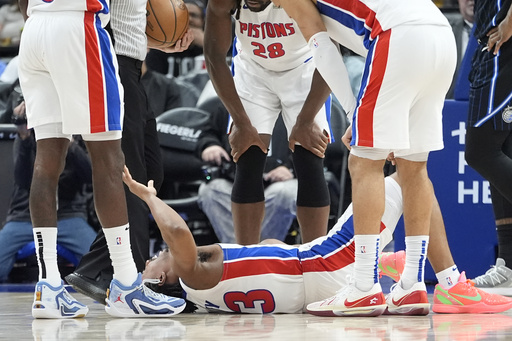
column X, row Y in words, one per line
column 310, row 137
column 241, row 138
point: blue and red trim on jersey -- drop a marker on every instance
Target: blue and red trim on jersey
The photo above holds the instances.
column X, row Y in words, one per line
column 375, row 70
column 354, row 15
column 334, row 253
column 104, row 100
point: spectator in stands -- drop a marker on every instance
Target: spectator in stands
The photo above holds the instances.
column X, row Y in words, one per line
column 166, row 93
column 74, row 232
column 163, row 92
column 278, row 178
column 461, row 24
column 10, row 73
column 11, row 24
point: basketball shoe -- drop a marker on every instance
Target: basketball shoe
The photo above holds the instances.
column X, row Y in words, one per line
column 392, row 264
column 497, row 280
column 55, row 302
column 465, row 298
column 138, row 300
column 413, row 301
column 351, row 301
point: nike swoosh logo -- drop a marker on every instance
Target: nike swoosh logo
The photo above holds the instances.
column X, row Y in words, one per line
column 471, row 298
column 399, row 302
column 354, row 303
column 391, row 270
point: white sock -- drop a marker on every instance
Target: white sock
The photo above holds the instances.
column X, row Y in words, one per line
column 449, row 277
column 45, row 239
column 118, row 241
column 415, row 257
column 366, row 260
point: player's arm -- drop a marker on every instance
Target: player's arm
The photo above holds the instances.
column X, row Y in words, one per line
column 217, row 41
column 175, row 231
column 328, row 60
column 305, row 131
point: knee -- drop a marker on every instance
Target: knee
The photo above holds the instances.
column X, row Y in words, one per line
column 106, row 156
column 312, row 189
column 248, row 184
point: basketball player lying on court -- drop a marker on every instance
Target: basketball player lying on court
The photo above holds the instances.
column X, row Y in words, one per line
column 272, row 277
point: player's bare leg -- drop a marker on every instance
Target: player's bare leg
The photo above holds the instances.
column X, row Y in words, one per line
column 109, row 197
column 439, row 254
column 313, row 222
column 247, row 220
column 367, row 194
column 48, row 165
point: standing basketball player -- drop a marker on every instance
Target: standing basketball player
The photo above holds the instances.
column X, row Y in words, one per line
column 69, row 77
column 489, row 132
column 273, row 73
column 410, row 62
column 139, row 143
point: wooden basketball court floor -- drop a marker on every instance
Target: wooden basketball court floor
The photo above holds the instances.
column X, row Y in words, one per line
column 16, row 323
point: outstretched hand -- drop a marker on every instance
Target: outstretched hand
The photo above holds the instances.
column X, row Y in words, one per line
column 143, row 192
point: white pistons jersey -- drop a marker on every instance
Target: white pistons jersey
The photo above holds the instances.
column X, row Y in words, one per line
column 279, row 278
column 369, row 18
column 271, row 38
column 100, row 7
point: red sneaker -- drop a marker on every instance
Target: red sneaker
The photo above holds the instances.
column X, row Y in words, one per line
column 465, row 298
column 392, row 264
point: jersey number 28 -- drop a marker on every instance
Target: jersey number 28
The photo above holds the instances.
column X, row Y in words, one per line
column 274, row 50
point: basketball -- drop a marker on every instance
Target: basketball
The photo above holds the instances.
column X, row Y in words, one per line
column 166, row 22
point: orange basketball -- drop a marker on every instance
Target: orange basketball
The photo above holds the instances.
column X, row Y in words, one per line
column 166, row 22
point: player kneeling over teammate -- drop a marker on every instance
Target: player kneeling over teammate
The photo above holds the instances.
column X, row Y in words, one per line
column 273, row 277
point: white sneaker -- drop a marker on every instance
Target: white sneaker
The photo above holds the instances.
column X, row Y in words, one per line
column 413, row 301
column 497, row 280
column 138, row 300
column 55, row 302
column 351, row 301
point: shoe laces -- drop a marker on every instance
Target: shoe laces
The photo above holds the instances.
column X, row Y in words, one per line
column 151, row 293
column 350, row 283
column 491, row 276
